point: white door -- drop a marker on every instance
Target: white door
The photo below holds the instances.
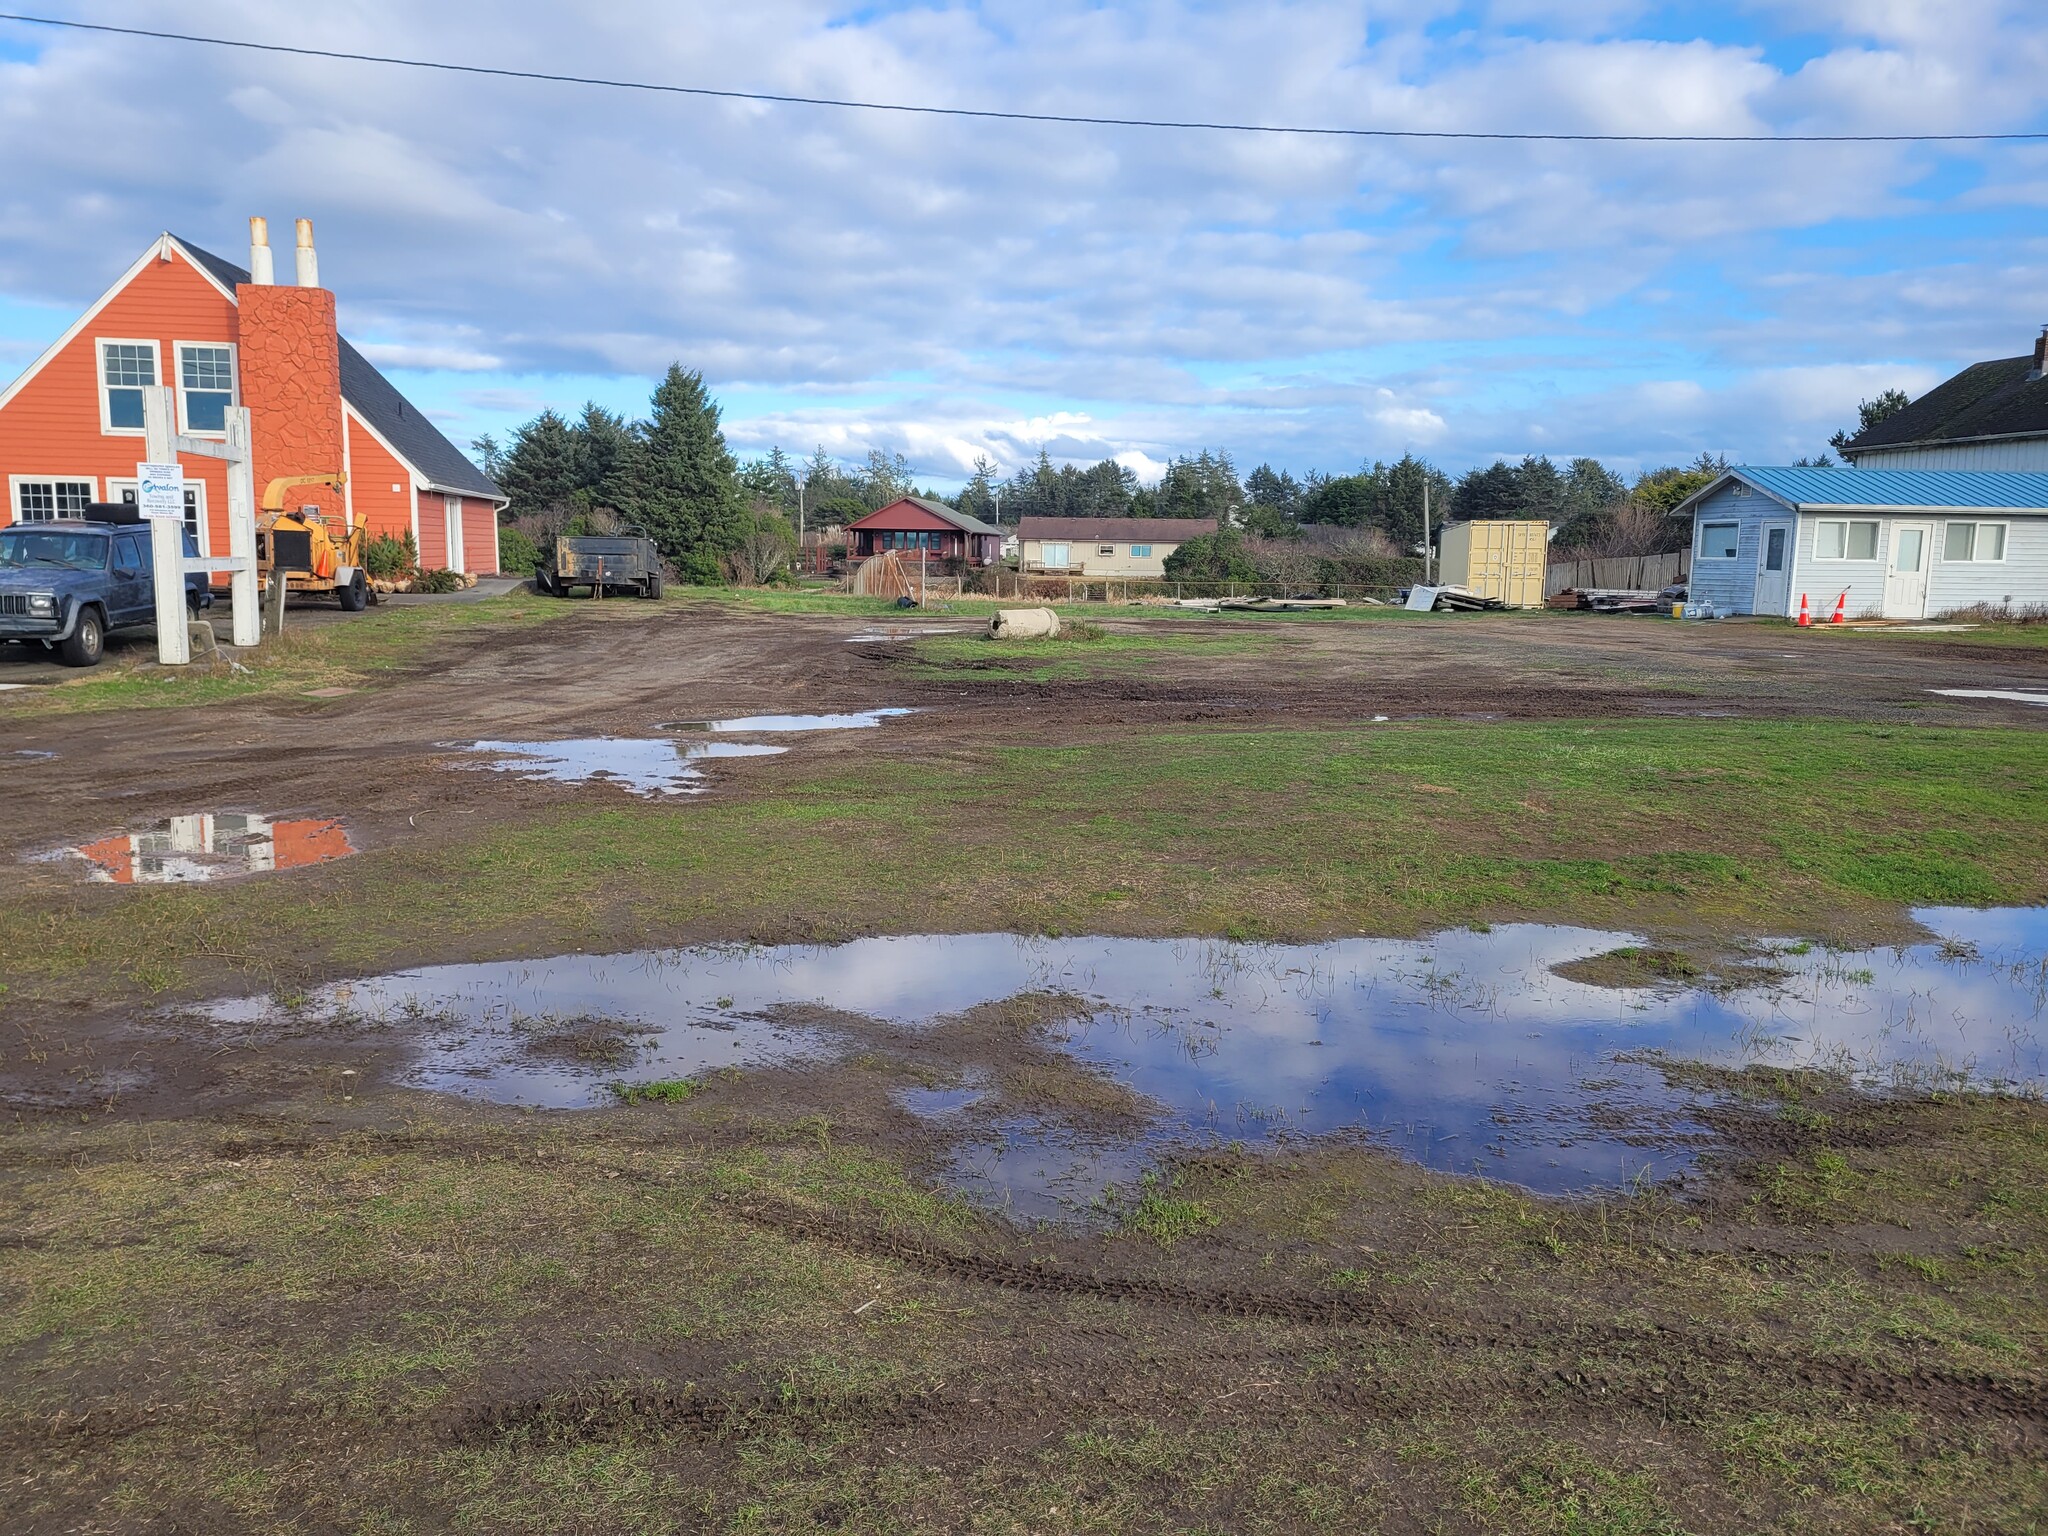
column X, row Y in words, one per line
column 1905, row 581
column 1773, row 570
column 454, row 505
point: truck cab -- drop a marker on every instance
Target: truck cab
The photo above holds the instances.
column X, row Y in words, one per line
column 67, row 583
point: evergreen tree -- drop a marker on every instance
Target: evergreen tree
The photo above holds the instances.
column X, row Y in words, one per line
column 885, row 478
column 541, row 468
column 684, row 488
column 1204, row 486
column 1281, row 491
column 978, row 497
column 605, row 448
column 1868, row 414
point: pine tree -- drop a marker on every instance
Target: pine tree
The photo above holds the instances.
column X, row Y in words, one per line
column 978, row 497
column 685, row 490
column 540, row 469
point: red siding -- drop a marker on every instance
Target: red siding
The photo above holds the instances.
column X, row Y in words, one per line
column 433, row 531
column 480, row 536
column 373, row 471
column 53, row 426
column 901, row 515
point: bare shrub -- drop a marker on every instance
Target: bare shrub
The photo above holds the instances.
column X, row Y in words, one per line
column 1287, row 563
column 1997, row 613
column 1630, row 528
column 758, row 559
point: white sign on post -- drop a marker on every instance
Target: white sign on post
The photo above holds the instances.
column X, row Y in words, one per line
column 160, row 490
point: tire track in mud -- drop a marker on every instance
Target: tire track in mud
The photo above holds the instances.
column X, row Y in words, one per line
column 1948, row 1393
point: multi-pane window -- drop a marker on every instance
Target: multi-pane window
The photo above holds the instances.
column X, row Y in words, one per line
column 1974, row 541
column 1141, row 551
column 40, row 501
column 127, row 368
column 1844, row 541
column 206, row 386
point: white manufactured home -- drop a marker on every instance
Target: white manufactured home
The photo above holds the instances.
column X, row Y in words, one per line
column 1895, row 544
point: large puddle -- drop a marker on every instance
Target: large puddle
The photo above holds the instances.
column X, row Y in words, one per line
column 640, row 766
column 1466, row 1051
column 213, row 845
column 657, row 765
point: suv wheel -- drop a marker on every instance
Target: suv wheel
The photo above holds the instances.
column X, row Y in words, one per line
column 87, row 641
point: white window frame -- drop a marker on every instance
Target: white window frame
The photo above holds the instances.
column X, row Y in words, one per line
column 16, row 482
column 1066, row 549
column 1876, row 557
column 234, row 353
column 1735, row 527
column 99, row 369
column 1141, row 551
column 452, row 530
column 197, row 489
column 2004, row 541
column 1105, row 551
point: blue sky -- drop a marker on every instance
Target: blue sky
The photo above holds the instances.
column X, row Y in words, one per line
column 944, row 289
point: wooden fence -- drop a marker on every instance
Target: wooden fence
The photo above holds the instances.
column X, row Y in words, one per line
column 1633, row 573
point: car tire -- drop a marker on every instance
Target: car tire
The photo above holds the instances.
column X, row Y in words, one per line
column 354, row 597
column 86, row 643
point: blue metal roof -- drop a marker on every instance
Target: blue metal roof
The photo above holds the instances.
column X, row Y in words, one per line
column 2004, row 490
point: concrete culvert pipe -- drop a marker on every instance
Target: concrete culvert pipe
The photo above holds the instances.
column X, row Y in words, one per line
column 1023, row 624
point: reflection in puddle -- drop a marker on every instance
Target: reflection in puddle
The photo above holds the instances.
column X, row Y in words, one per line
column 748, row 724
column 1464, row 1052
column 32, row 755
column 212, row 846
column 937, row 1103
column 637, row 765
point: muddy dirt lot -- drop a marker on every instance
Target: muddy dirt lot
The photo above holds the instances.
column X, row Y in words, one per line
column 256, row 1275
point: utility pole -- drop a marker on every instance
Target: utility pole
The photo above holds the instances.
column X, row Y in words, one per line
column 1427, row 564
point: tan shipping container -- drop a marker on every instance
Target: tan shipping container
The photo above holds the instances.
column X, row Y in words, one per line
column 1496, row 559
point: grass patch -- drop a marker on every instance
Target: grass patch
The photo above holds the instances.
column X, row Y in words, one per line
column 667, row 1090
column 1275, row 834
column 1081, row 650
column 358, row 652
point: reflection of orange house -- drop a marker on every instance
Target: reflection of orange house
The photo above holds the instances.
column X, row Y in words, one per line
column 189, row 848
column 71, row 425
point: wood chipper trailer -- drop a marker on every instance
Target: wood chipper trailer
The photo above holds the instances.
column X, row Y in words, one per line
column 319, row 554
column 605, row 563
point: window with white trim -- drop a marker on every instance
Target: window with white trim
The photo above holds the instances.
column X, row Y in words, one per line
column 127, row 368
column 1975, row 542
column 1844, row 541
column 41, row 501
column 1718, row 540
column 206, row 385
column 1141, row 551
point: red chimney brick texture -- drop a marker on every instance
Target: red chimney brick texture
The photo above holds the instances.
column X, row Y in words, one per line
column 290, row 356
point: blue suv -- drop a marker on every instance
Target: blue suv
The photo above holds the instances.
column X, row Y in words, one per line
column 65, row 584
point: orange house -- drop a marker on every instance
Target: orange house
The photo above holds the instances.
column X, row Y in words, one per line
column 71, row 426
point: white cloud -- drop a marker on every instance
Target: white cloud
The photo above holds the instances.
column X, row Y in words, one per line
column 998, row 287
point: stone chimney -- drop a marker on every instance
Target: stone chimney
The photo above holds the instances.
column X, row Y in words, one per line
column 290, row 356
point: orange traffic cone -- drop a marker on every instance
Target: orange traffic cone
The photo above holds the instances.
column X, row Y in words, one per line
column 1805, row 618
column 1840, row 603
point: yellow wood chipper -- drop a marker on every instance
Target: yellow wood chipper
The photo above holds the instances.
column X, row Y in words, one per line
column 317, row 552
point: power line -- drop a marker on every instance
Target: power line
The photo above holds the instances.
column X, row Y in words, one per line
column 779, row 99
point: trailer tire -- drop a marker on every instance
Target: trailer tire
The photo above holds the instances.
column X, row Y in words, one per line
column 653, row 587
column 87, row 641
column 354, row 597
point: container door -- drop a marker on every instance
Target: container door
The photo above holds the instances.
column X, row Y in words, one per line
column 454, row 506
column 1905, row 580
column 1773, row 570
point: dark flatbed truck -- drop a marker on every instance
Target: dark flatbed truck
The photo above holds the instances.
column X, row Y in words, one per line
column 608, row 564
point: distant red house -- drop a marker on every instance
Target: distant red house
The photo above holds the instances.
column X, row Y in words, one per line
column 914, row 525
column 71, row 425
